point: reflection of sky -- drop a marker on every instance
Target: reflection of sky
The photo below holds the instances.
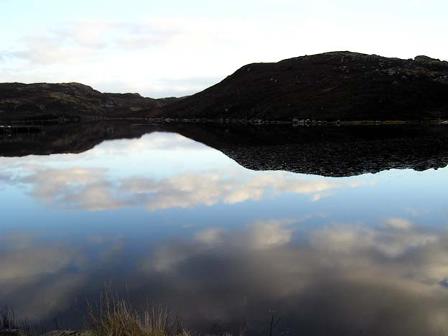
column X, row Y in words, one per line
column 179, row 219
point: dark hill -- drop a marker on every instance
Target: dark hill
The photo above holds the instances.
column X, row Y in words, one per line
column 333, row 86
column 330, row 86
column 70, row 101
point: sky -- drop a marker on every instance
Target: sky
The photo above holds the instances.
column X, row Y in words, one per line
column 175, row 48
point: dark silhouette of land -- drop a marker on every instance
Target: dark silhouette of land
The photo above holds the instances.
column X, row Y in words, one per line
column 327, row 151
column 331, row 88
column 70, row 102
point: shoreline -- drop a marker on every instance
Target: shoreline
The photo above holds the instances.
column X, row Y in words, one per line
column 11, row 124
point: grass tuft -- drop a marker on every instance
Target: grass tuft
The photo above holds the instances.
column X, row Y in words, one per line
column 115, row 317
column 8, row 319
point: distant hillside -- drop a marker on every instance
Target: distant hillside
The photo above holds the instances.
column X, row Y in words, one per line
column 330, row 86
column 70, row 102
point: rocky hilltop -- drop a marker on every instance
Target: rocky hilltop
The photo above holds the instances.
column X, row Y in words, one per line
column 329, row 87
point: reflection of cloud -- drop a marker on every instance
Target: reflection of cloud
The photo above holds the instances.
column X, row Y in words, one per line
column 73, row 187
column 261, row 235
column 190, row 190
column 27, row 263
column 339, row 280
column 40, row 278
column 398, row 223
column 35, row 278
column 92, row 189
column 395, row 239
column 269, row 234
column 210, row 236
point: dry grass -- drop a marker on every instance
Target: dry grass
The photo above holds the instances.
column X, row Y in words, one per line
column 115, row 317
column 8, row 322
column 7, row 319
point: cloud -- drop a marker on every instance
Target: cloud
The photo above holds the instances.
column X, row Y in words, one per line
column 78, row 42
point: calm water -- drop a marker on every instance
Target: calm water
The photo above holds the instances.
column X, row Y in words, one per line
column 167, row 220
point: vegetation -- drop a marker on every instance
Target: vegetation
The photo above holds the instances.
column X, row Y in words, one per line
column 9, row 322
column 115, row 317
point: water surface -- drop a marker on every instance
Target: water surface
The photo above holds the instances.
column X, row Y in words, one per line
column 170, row 221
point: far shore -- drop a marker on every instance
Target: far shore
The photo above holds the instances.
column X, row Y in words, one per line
column 10, row 124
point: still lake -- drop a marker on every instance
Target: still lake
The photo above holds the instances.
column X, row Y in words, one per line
column 166, row 220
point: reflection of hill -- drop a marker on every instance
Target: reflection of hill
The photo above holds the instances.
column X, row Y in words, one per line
column 67, row 138
column 323, row 151
column 329, row 151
